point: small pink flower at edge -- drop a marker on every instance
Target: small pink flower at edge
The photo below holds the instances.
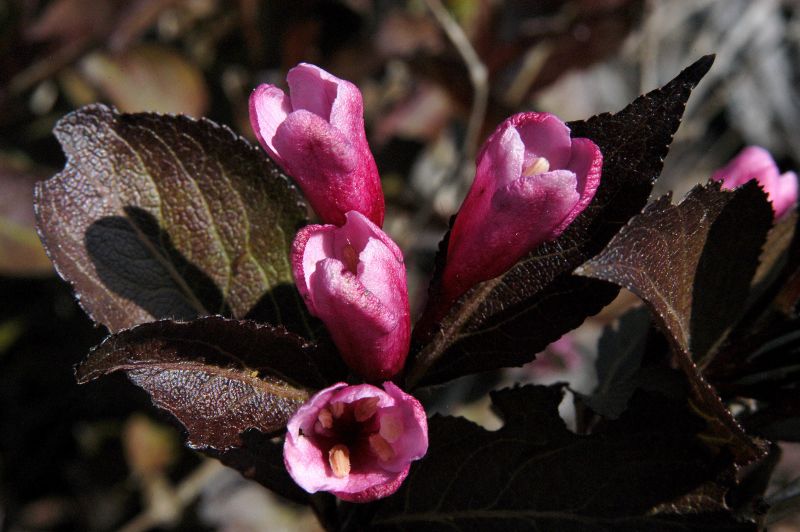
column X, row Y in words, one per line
column 532, row 181
column 356, row 442
column 316, row 134
column 756, row 163
column 354, row 279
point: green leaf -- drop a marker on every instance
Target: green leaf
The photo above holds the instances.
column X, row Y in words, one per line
column 534, row 474
column 505, row 321
column 159, row 216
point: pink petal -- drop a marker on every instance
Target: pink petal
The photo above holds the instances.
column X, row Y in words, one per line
column 370, row 335
column 587, row 163
column 752, row 162
column 269, row 107
column 507, row 156
column 312, row 89
column 312, row 244
column 544, row 135
column 520, row 216
column 784, row 196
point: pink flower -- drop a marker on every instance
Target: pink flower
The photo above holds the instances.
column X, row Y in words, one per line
column 316, row 134
column 353, row 278
column 531, row 182
column 356, row 442
column 756, row 163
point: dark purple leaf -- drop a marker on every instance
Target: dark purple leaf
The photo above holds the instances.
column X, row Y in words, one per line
column 505, row 321
column 619, row 356
column 693, row 264
column 159, row 216
column 759, row 357
column 534, row 474
column 259, row 458
column 218, row 377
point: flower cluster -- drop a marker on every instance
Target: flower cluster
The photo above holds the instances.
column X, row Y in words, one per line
column 532, row 181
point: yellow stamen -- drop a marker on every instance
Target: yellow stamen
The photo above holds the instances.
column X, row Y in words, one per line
column 381, row 448
column 539, row 165
column 363, row 409
column 339, row 458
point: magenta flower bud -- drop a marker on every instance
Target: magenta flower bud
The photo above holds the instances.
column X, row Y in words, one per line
column 532, row 181
column 316, row 134
column 756, row 163
column 353, row 278
column 356, row 442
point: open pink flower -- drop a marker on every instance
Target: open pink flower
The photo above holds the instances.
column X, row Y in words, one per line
column 756, row 163
column 316, row 133
column 532, row 181
column 353, row 278
column 356, row 442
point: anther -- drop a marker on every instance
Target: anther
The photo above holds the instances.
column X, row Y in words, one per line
column 363, row 409
column 391, row 428
column 339, row 458
column 539, row 165
column 337, row 409
column 325, row 418
column 382, row 449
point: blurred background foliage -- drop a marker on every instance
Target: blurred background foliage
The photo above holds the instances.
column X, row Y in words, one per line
column 99, row 457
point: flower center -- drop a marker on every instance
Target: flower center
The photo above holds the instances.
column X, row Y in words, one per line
column 357, row 427
column 538, row 165
column 350, row 258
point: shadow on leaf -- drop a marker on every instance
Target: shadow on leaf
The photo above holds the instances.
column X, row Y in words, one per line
column 136, row 259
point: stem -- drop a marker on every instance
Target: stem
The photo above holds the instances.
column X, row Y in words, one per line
column 478, row 75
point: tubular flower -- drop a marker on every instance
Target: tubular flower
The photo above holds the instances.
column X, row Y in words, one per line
column 356, row 442
column 532, row 180
column 353, row 278
column 756, row 163
column 316, row 134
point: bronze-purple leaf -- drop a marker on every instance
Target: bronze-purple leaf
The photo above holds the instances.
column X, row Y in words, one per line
column 693, row 264
column 158, row 216
column 218, row 377
column 534, row 474
column 506, row 320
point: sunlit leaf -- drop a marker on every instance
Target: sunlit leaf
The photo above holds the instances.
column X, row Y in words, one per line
column 167, row 217
column 218, row 377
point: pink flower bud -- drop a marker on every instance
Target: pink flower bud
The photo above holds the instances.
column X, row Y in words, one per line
column 531, row 182
column 353, row 278
column 356, row 442
column 316, row 134
column 756, row 163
